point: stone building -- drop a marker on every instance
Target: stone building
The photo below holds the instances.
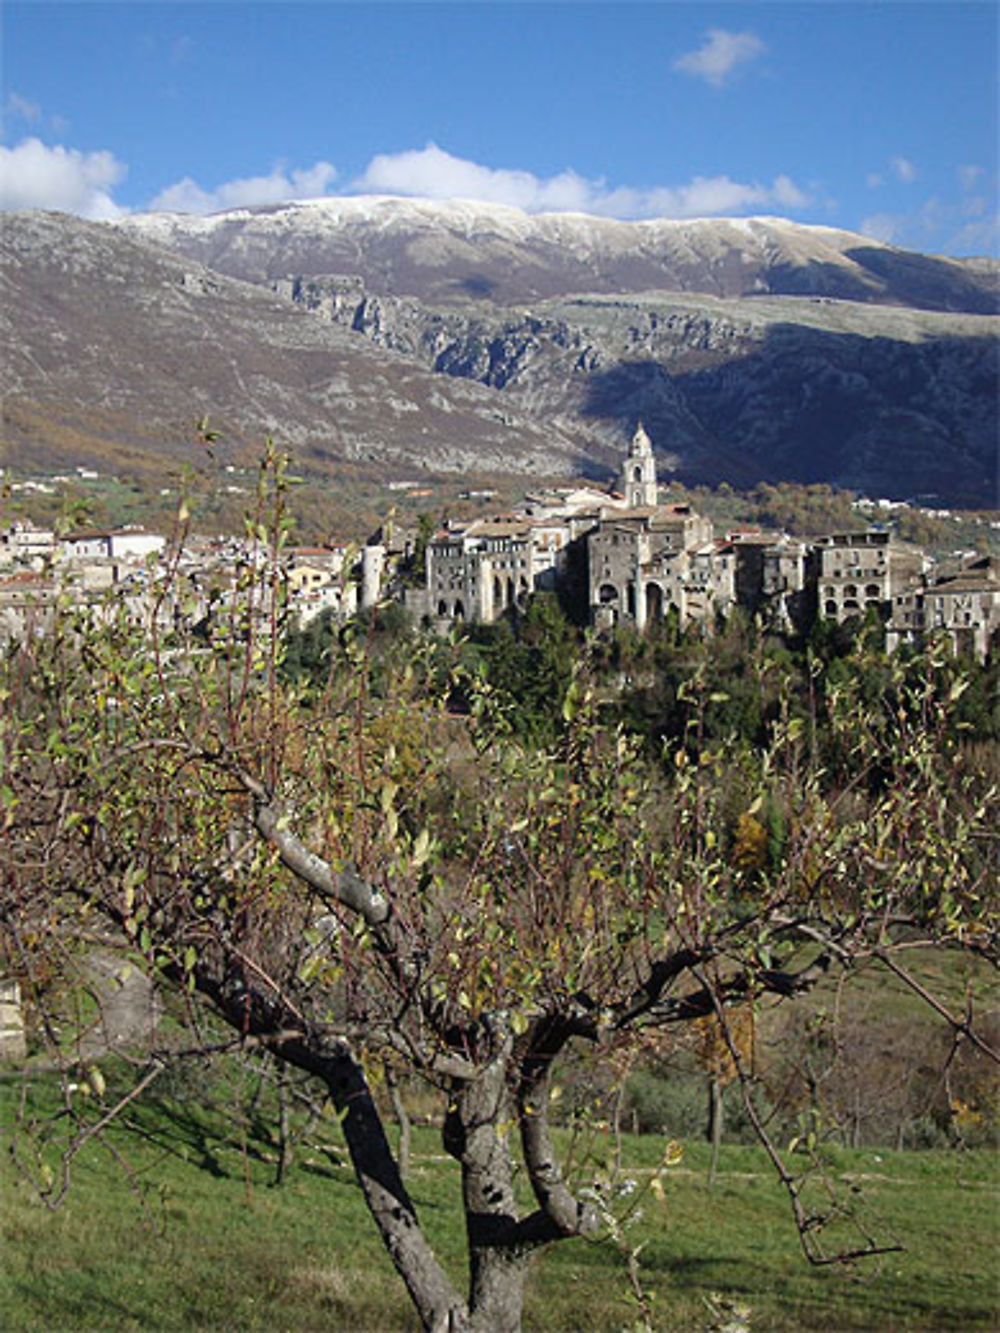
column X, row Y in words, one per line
column 123, row 544
column 642, row 562
column 24, row 546
column 12, row 1043
column 479, row 570
column 772, row 579
column 964, row 606
column 27, row 605
column 858, row 572
column 316, row 582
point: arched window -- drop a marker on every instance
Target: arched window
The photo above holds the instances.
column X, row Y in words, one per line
column 459, row 611
column 830, row 607
column 873, row 590
column 654, row 601
column 630, row 596
column 607, row 594
column 442, row 607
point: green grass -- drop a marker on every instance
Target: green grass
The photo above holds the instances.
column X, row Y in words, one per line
column 200, row 1239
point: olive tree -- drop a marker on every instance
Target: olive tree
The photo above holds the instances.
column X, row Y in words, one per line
column 363, row 870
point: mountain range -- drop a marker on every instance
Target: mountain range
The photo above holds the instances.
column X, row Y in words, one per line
column 396, row 338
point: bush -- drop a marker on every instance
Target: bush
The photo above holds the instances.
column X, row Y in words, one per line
column 676, row 1105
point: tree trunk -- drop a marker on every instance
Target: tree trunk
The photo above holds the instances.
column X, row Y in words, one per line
column 715, row 1120
column 284, row 1131
column 438, row 1304
column 496, row 1293
column 402, row 1119
column 388, row 1202
column 475, row 1135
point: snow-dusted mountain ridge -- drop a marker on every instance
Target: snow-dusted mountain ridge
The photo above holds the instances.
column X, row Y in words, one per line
column 448, row 251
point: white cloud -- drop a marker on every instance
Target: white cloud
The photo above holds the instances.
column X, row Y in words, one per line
column 966, row 227
column 187, row 196
column 181, row 48
column 904, row 170
column 23, row 109
column 881, row 227
column 33, row 175
column 969, row 176
column 719, row 55
column 900, row 169
column 435, row 174
column 976, row 238
column 17, row 107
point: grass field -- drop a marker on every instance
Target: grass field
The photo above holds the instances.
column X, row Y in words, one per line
column 199, row 1238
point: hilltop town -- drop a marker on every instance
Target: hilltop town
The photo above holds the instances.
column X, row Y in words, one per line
column 613, row 557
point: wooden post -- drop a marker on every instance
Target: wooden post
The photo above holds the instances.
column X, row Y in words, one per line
column 12, row 1044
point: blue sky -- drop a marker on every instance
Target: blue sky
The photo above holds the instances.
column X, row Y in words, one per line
column 879, row 117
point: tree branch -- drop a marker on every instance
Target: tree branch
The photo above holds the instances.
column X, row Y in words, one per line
column 962, row 1025
column 346, row 888
column 567, row 1214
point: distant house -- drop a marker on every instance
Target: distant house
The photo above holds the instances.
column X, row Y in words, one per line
column 27, row 598
column 644, row 561
column 478, row 570
column 316, row 584
column 22, row 544
column 123, row 544
column 965, row 607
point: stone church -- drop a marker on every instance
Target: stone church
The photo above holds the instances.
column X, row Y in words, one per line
column 645, row 558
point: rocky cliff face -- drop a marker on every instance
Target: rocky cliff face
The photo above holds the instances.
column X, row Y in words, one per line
column 397, row 335
column 886, row 401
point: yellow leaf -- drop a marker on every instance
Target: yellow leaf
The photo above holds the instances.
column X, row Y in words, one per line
column 674, row 1153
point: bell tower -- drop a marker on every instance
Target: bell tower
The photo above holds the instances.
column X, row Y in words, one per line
column 639, row 471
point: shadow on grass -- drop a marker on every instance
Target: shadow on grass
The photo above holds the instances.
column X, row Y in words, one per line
column 186, row 1135
column 179, row 1133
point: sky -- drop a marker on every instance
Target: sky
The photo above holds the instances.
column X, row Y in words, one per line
column 877, row 117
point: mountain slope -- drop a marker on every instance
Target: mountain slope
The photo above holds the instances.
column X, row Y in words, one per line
column 115, row 337
column 110, row 344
